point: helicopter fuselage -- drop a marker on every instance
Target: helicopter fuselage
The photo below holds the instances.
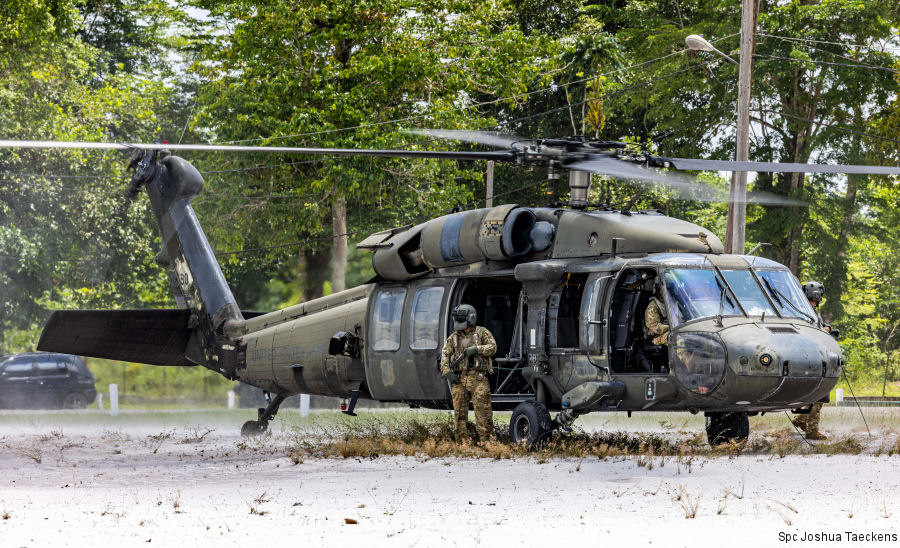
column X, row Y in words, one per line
column 564, row 292
column 581, row 352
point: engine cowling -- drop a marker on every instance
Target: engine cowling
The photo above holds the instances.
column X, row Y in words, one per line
column 503, row 233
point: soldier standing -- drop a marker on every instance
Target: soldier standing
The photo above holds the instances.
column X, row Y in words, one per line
column 466, row 363
column 810, row 423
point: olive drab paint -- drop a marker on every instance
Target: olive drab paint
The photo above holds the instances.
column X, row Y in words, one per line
column 563, row 291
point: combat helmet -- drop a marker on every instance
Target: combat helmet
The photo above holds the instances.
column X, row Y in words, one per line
column 814, row 291
column 464, row 316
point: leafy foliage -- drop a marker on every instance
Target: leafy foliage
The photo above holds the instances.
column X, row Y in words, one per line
column 360, row 74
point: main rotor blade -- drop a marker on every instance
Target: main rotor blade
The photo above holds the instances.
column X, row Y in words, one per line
column 684, row 187
column 387, row 153
column 489, row 138
column 624, row 169
column 778, row 167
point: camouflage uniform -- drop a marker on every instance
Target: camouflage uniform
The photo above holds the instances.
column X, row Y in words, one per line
column 810, row 423
column 474, row 379
column 654, row 322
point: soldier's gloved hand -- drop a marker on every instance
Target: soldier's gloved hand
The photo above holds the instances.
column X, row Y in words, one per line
column 471, row 351
column 452, row 377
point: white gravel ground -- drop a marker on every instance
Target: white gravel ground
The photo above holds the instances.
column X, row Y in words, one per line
column 91, row 480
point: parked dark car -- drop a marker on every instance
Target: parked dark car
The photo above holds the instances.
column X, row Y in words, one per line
column 45, row 380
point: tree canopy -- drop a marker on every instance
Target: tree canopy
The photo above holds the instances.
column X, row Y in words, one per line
column 826, row 75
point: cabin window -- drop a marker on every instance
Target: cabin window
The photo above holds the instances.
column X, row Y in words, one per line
column 425, row 323
column 388, row 311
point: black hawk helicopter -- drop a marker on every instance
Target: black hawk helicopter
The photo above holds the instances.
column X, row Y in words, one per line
column 563, row 289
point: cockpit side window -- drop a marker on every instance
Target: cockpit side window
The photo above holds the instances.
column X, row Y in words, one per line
column 698, row 293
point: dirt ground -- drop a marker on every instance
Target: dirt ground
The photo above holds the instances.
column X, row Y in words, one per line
column 188, row 479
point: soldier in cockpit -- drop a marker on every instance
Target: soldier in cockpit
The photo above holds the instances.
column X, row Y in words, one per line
column 656, row 321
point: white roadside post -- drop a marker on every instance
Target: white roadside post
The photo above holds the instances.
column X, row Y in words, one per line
column 231, row 399
column 114, row 399
column 304, row 405
column 100, row 401
column 839, row 396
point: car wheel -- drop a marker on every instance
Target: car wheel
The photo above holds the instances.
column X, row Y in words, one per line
column 530, row 424
column 74, row 400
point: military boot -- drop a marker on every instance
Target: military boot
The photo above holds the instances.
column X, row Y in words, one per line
column 816, row 435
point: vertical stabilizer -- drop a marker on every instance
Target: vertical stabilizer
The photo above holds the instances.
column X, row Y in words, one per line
column 193, row 271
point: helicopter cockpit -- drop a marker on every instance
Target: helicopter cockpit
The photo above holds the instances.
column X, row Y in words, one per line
column 692, row 289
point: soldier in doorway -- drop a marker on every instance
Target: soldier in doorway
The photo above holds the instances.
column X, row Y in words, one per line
column 466, row 364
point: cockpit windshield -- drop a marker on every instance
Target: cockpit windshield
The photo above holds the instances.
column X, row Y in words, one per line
column 787, row 294
column 748, row 292
column 703, row 293
column 698, row 293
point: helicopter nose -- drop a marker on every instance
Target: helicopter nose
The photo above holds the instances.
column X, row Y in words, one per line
column 787, row 364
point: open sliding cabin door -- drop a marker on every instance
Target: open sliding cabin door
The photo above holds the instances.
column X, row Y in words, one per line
column 501, row 308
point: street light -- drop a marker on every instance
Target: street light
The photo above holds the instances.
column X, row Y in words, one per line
column 699, row 43
column 737, row 199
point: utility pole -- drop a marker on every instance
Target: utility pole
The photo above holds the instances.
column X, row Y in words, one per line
column 737, row 198
column 489, row 183
column 737, row 204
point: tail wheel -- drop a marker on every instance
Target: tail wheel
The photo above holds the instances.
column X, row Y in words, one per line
column 722, row 428
column 74, row 400
column 252, row 429
column 530, row 424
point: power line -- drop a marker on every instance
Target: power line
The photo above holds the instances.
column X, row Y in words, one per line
column 210, row 172
column 838, row 55
column 832, row 126
column 828, row 63
column 671, row 133
column 605, row 95
column 550, row 88
column 407, row 220
column 55, row 176
column 845, row 44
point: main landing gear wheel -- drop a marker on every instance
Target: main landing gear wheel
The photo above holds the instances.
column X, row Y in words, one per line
column 251, row 429
column 530, row 424
column 722, row 428
column 266, row 414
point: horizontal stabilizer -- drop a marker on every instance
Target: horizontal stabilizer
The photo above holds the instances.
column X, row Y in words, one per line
column 157, row 337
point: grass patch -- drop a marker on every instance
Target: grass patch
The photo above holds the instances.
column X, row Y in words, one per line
column 431, row 436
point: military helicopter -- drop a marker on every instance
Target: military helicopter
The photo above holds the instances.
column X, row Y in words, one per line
column 563, row 290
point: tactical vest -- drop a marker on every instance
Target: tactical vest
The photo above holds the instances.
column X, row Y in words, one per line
column 475, row 363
